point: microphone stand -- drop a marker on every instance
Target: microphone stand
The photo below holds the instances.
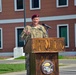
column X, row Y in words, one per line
column 47, row 28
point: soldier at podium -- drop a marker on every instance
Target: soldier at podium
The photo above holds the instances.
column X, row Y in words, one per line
column 35, row 30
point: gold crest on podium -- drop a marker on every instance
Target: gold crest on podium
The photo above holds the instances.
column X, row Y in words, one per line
column 47, row 67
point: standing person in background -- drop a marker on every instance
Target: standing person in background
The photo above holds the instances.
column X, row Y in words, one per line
column 35, row 30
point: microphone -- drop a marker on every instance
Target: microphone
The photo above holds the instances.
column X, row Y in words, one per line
column 47, row 26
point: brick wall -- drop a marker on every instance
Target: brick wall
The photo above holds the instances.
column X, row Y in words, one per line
column 9, row 36
column 48, row 8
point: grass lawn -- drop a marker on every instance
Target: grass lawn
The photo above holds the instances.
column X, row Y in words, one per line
column 22, row 57
column 66, row 57
column 5, row 68
column 59, row 57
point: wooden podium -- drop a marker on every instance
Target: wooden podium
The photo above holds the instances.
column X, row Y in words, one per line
column 43, row 55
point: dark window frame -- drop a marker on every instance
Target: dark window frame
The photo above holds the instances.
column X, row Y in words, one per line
column 35, row 8
column 19, row 37
column 16, row 8
column 75, row 2
column 0, row 5
column 63, row 25
column 66, row 5
column 1, row 39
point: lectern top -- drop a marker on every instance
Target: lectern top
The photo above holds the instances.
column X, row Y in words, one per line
column 42, row 45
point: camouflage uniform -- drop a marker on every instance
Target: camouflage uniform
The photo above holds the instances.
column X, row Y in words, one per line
column 35, row 32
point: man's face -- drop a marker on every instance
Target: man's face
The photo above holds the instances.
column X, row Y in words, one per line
column 35, row 20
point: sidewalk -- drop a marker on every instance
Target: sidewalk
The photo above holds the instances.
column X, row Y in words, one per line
column 16, row 73
column 11, row 61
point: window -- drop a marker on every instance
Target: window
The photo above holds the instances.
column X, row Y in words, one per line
column 75, row 35
column 19, row 41
column 62, row 3
column 18, row 5
column 0, row 5
column 75, row 2
column 34, row 4
column 62, row 31
column 1, row 41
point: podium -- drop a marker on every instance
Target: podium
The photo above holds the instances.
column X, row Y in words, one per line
column 43, row 55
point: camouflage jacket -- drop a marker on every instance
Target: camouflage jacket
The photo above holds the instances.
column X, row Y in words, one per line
column 35, row 32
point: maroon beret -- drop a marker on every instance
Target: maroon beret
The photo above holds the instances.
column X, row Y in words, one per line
column 35, row 15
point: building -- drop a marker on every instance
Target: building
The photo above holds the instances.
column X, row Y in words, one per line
column 59, row 14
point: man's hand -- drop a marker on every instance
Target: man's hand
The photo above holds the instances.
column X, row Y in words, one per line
column 26, row 32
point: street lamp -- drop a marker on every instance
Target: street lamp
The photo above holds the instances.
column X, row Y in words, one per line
column 24, row 6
